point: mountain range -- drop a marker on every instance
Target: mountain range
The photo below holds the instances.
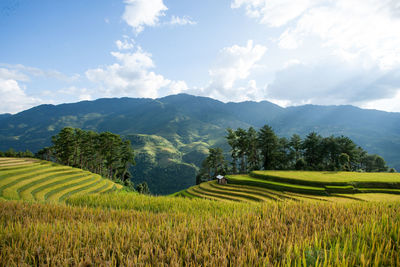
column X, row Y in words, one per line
column 171, row 135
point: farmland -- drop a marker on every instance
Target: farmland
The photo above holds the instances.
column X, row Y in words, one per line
column 78, row 223
column 262, row 186
column 36, row 180
column 128, row 229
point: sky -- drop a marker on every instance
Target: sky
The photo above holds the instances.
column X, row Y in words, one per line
column 323, row 52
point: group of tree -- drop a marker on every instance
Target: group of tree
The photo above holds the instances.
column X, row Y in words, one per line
column 16, row 154
column 255, row 150
column 104, row 153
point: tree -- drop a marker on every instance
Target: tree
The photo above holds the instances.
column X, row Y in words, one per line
column 213, row 165
column 374, row 163
column 344, row 161
column 268, row 143
column 233, row 143
column 242, row 145
column 253, row 158
column 143, row 188
column 64, row 144
column 126, row 158
column 10, row 153
column 300, row 164
column 295, row 144
column 106, row 153
column 312, row 150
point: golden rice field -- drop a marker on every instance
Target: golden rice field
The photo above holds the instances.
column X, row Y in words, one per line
column 37, row 180
column 121, row 229
column 248, row 225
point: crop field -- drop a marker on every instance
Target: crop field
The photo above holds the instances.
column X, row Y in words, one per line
column 36, row 180
column 237, row 224
column 324, row 178
column 264, row 186
column 129, row 229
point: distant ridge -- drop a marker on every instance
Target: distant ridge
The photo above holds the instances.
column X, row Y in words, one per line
column 173, row 133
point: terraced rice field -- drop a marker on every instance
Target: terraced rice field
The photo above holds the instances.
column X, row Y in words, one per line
column 37, row 180
column 267, row 186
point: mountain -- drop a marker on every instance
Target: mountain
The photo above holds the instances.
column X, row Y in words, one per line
column 171, row 135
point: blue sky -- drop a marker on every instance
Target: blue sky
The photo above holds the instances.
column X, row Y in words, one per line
column 288, row 52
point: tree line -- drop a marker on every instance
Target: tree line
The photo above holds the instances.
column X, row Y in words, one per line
column 255, row 150
column 106, row 154
column 16, row 154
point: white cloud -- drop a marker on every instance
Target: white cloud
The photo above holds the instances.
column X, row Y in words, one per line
column 391, row 104
column 13, row 97
column 13, row 75
column 333, row 81
column 25, row 72
column 132, row 76
column 235, row 63
column 185, row 20
column 274, row 13
column 125, row 44
column 352, row 28
column 79, row 93
column 141, row 13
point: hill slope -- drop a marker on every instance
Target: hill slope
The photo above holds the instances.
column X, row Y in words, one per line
column 36, row 180
column 188, row 125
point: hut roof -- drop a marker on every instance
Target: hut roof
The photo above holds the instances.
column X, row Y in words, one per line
column 220, row 176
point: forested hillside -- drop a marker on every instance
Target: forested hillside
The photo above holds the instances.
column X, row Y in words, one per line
column 171, row 135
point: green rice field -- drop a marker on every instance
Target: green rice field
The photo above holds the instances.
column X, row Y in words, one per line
column 260, row 186
column 37, row 180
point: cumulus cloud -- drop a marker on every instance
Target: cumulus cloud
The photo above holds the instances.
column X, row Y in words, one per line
column 349, row 27
column 185, row 20
column 126, row 44
column 141, row 13
column 233, row 64
column 14, row 98
column 132, row 75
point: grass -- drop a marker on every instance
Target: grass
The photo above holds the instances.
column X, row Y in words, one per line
column 35, row 180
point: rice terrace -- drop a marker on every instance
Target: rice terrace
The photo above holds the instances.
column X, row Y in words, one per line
column 200, row 133
column 36, row 180
column 280, row 217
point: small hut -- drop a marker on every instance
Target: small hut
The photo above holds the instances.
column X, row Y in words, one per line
column 221, row 179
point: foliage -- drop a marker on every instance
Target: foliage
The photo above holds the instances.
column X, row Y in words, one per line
column 212, row 166
column 16, row 154
column 143, row 188
column 106, row 153
column 264, row 148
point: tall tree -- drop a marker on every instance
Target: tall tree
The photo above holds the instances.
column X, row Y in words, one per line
column 268, row 143
column 312, row 150
column 233, row 143
column 242, row 145
column 253, row 158
column 295, row 144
